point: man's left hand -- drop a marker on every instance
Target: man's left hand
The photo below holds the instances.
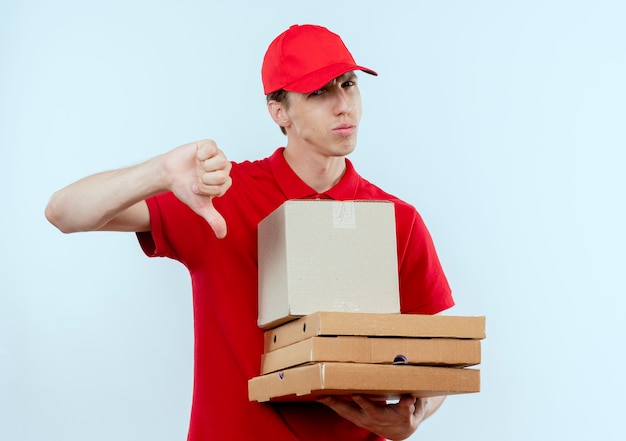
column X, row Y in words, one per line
column 392, row 421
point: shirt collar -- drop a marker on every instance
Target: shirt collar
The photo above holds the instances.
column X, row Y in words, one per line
column 295, row 188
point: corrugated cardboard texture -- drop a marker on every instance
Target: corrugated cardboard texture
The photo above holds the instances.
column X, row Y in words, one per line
column 381, row 350
column 322, row 255
column 370, row 324
column 305, row 383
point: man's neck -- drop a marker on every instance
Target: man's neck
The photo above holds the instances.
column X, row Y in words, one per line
column 321, row 173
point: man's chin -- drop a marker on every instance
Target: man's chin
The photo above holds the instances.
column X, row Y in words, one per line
column 344, row 149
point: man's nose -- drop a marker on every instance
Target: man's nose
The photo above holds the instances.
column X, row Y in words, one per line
column 343, row 103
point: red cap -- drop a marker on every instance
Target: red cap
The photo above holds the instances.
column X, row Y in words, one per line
column 304, row 58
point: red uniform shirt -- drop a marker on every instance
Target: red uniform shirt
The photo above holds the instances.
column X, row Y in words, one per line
column 228, row 342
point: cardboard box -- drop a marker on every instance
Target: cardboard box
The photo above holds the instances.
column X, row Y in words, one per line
column 371, row 324
column 325, row 255
column 305, row 383
column 417, row 351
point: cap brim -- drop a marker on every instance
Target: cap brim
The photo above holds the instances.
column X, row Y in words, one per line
column 317, row 79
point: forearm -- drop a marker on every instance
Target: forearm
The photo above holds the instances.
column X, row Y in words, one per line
column 90, row 203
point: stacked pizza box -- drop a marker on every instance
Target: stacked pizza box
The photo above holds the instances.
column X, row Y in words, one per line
column 328, row 300
column 388, row 355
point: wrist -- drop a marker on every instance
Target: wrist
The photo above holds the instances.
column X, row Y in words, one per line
column 160, row 174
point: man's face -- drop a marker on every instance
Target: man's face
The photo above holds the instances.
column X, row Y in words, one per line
column 326, row 121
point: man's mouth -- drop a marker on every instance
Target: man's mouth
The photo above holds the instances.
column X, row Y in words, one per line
column 345, row 129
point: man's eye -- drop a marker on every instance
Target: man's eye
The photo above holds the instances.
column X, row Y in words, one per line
column 347, row 84
column 318, row 92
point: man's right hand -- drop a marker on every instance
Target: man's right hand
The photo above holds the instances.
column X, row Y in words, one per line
column 196, row 173
column 115, row 200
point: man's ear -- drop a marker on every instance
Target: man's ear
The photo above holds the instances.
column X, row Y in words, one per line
column 278, row 113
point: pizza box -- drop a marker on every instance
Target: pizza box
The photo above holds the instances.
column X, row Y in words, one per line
column 381, row 350
column 374, row 324
column 307, row 383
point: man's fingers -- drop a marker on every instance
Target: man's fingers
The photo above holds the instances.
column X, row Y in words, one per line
column 210, row 157
column 212, row 185
column 407, row 401
column 206, row 149
column 365, row 403
column 345, row 408
column 216, row 178
column 215, row 163
column 213, row 170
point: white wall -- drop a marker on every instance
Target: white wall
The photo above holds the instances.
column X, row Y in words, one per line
column 502, row 121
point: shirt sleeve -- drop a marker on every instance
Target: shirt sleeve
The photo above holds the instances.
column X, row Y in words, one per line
column 174, row 229
column 424, row 288
column 152, row 241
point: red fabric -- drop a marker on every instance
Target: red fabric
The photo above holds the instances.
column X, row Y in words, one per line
column 228, row 343
column 304, row 58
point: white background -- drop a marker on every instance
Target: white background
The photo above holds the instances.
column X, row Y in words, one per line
column 501, row 121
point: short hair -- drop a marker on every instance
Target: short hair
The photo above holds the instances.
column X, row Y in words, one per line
column 281, row 97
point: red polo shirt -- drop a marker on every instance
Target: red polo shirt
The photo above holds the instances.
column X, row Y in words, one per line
column 228, row 343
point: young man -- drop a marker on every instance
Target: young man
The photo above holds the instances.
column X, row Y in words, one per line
column 181, row 203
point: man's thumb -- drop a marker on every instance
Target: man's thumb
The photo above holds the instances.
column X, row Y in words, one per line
column 215, row 220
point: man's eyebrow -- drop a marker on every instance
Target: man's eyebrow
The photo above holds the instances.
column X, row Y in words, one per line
column 347, row 76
